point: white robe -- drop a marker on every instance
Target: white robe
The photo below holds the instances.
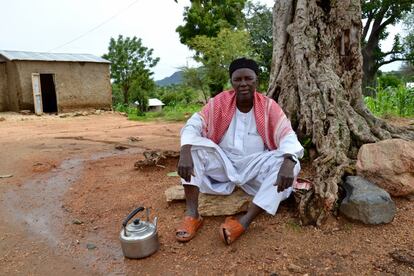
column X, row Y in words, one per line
column 240, row 159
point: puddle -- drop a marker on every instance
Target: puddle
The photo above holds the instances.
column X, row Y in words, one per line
column 37, row 207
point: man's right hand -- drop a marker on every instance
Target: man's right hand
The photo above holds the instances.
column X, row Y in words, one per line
column 185, row 165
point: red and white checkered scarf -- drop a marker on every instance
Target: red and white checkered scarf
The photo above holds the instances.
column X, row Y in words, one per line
column 271, row 122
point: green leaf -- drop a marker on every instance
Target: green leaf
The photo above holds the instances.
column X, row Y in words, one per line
column 172, row 174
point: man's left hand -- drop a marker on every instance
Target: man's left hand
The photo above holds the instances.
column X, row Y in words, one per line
column 285, row 177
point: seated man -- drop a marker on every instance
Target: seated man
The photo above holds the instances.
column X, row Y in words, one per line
column 240, row 138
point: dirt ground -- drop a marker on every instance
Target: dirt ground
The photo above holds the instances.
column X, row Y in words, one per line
column 69, row 188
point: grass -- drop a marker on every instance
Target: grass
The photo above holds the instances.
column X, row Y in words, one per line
column 177, row 113
column 293, row 225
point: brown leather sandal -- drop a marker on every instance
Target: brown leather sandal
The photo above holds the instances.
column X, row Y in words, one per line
column 188, row 225
column 232, row 226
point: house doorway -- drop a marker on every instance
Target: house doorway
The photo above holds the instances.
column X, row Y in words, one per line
column 49, row 101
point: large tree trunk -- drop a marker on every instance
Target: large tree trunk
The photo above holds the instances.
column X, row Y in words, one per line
column 369, row 70
column 316, row 78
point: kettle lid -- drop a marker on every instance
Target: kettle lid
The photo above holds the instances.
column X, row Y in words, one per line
column 139, row 229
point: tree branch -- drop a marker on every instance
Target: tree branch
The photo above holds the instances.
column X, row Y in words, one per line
column 366, row 27
column 386, row 23
column 390, row 61
column 391, row 53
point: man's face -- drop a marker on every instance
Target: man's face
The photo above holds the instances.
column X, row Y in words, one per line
column 244, row 82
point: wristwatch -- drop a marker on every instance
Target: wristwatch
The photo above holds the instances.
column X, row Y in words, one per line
column 290, row 157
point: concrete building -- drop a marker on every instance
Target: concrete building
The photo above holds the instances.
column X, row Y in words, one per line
column 155, row 105
column 53, row 83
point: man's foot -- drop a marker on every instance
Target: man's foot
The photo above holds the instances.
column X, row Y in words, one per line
column 230, row 230
column 188, row 228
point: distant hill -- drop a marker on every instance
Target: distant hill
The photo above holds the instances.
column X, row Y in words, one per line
column 175, row 78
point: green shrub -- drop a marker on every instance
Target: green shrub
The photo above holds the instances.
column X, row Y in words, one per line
column 398, row 101
column 180, row 112
column 176, row 94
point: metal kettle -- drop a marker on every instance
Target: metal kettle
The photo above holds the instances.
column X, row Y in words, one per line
column 139, row 239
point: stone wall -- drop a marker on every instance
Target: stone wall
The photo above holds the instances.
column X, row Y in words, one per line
column 79, row 85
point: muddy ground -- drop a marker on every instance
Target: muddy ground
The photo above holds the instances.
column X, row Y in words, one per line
column 70, row 189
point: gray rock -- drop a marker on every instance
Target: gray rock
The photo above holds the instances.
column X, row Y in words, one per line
column 366, row 202
column 90, row 246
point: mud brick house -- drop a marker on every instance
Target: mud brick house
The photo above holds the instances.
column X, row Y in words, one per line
column 53, row 83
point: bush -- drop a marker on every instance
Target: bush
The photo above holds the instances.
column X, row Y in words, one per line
column 176, row 94
column 390, row 80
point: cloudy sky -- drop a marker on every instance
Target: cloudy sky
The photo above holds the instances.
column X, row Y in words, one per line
column 85, row 26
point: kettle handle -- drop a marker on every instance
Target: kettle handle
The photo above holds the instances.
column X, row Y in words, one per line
column 131, row 215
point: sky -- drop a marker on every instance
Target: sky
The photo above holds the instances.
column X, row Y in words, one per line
column 86, row 26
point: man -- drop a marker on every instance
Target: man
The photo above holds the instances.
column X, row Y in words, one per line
column 240, row 138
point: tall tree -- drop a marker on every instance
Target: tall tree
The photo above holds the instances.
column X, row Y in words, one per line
column 316, row 78
column 130, row 61
column 259, row 26
column 408, row 24
column 197, row 79
column 216, row 55
column 378, row 15
column 139, row 91
column 208, row 17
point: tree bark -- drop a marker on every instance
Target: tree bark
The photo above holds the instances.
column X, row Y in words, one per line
column 125, row 92
column 316, row 77
column 369, row 69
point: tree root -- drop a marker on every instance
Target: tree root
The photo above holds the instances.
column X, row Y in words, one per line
column 316, row 78
column 155, row 158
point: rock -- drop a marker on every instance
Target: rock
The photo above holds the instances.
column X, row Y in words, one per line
column 90, row 246
column 214, row 205
column 294, row 268
column 389, row 164
column 2, row 119
column 219, row 205
column 366, row 202
column 134, row 139
column 175, row 193
column 77, row 221
column 121, row 147
column 403, row 256
column 64, row 115
column 25, row 112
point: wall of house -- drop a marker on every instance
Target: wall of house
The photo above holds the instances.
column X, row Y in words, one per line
column 14, row 88
column 79, row 85
column 157, row 108
column 3, row 87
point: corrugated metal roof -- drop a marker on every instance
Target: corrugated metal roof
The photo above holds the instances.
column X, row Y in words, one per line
column 152, row 102
column 155, row 102
column 34, row 56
